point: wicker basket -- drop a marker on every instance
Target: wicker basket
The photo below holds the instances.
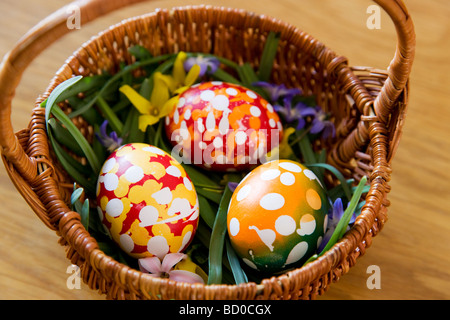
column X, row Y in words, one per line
column 368, row 107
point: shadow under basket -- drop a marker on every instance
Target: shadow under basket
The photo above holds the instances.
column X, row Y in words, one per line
column 367, row 105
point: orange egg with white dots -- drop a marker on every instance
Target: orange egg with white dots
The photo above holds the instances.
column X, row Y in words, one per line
column 277, row 216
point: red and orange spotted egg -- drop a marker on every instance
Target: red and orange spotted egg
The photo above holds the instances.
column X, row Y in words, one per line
column 223, row 126
column 277, row 216
column 146, row 201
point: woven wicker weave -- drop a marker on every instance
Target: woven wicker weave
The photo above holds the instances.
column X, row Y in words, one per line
column 368, row 107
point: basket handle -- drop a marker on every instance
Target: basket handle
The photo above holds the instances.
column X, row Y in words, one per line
column 400, row 66
column 17, row 60
column 54, row 27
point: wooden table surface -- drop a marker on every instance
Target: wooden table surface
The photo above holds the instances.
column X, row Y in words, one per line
column 412, row 251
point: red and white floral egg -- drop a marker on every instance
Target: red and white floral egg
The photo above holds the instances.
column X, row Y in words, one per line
column 277, row 216
column 146, row 201
column 223, row 126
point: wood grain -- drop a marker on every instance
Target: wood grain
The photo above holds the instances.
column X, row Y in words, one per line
column 412, row 251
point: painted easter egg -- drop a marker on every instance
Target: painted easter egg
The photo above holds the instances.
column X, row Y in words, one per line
column 146, row 201
column 277, row 216
column 223, row 126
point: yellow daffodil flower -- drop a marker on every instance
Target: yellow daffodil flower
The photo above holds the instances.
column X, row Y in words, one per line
column 179, row 81
column 188, row 265
column 283, row 150
column 154, row 109
column 164, row 86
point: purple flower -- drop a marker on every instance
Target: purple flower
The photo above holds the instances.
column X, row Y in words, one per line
column 232, row 185
column 298, row 113
column 207, row 65
column 321, row 124
column 111, row 142
column 276, row 91
column 334, row 216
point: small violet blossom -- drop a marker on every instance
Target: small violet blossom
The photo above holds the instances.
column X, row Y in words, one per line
column 277, row 92
column 207, row 65
column 232, row 185
column 111, row 142
column 282, row 98
column 298, row 113
column 166, row 269
column 334, row 216
column 321, row 124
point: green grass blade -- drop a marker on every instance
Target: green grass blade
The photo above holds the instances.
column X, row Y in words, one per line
column 204, row 185
column 248, row 75
column 209, row 194
column 268, row 56
column 117, row 77
column 76, row 170
column 306, row 148
column 120, row 105
column 92, row 116
column 235, row 265
column 199, row 177
column 85, row 85
column 207, row 213
column 338, row 175
column 321, row 157
column 140, row 52
column 203, row 234
column 82, row 142
column 228, row 62
column 132, row 133
column 84, row 214
column 338, row 191
column 52, row 108
column 343, row 223
column 76, row 194
column 217, row 240
column 222, row 75
column 54, row 95
column 109, row 115
column 63, row 137
column 98, row 148
column 146, row 89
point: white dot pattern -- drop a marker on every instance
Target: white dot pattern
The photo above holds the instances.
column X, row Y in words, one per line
column 280, row 174
column 243, row 192
column 134, row 174
column 272, row 201
column 207, row 95
column 287, row 178
column 114, row 208
column 234, row 227
column 111, row 181
column 270, row 174
column 213, row 105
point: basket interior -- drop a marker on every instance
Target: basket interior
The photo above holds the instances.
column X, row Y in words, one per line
column 301, row 62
